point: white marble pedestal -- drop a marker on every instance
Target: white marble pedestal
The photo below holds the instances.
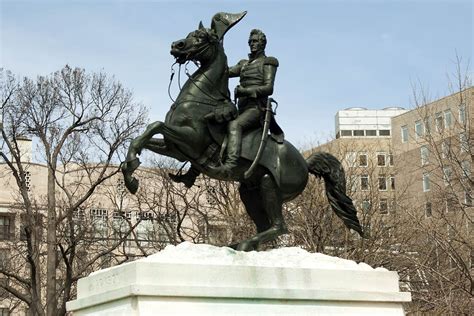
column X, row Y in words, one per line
column 205, row 280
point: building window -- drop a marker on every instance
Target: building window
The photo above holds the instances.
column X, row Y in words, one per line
column 351, row 158
column 392, row 183
column 445, row 148
column 384, row 132
column 145, row 216
column 390, row 159
column 4, row 258
column 448, row 119
column 365, row 205
column 404, row 134
column 428, row 210
column 364, row 182
column 426, row 182
column 28, row 181
column 371, row 132
column 6, row 227
column 462, row 114
column 79, row 215
column 425, row 155
column 466, row 169
column 98, row 214
column 382, row 183
column 468, row 198
column 3, row 294
column 464, row 142
column 358, row 132
column 381, row 161
column 118, row 215
column 447, row 174
column 353, row 184
column 99, row 222
column 38, row 223
column 121, row 190
column 450, row 204
column 439, row 123
column 383, row 206
column 363, row 162
column 419, row 129
column 4, row 311
column 427, row 124
column 346, row 133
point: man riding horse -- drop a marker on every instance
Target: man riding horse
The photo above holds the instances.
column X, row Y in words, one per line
column 199, row 121
column 257, row 77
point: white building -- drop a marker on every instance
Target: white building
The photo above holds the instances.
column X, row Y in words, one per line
column 361, row 122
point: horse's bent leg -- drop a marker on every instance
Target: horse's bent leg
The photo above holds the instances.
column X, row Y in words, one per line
column 132, row 162
column 272, row 204
column 158, row 145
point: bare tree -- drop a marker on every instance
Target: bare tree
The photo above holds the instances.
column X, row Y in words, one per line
column 80, row 122
column 445, row 249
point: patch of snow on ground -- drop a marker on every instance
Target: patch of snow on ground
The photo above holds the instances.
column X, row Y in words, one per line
column 289, row 257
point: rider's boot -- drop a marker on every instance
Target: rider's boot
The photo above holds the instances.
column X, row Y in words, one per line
column 188, row 178
column 234, row 144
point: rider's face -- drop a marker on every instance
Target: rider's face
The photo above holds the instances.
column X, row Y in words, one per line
column 256, row 45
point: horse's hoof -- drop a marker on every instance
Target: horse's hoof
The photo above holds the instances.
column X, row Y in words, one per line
column 132, row 185
column 234, row 246
column 247, row 246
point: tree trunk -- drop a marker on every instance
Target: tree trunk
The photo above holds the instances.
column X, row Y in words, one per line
column 51, row 246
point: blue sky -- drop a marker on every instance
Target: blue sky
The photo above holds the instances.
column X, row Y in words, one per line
column 333, row 54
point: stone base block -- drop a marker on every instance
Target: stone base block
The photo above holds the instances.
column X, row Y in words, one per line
column 205, row 280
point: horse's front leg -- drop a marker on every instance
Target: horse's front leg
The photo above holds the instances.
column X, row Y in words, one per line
column 132, row 162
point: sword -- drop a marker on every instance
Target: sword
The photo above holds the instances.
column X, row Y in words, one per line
column 263, row 140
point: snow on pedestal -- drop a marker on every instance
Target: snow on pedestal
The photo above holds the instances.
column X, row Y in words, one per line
column 190, row 279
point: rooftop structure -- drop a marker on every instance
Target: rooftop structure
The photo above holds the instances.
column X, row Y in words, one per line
column 361, row 122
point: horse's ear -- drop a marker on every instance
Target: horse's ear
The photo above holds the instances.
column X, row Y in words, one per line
column 200, row 25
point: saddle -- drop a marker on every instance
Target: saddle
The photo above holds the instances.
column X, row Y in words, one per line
column 250, row 144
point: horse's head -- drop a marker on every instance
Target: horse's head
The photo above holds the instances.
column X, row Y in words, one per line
column 203, row 43
column 198, row 45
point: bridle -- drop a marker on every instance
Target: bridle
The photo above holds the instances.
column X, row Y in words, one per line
column 197, row 53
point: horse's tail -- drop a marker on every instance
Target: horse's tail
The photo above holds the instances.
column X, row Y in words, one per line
column 327, row 166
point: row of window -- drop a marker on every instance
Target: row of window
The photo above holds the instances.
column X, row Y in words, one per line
column 362, row 133
column 451, row 204
column 384, row 205
column 98, row 216
column 360, row 159
column 447, row 175
column 103, row 214
column 445, row 149
column 442, row 120
column 362, row 182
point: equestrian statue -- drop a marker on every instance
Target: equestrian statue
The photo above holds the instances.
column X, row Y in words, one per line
column 244, row 144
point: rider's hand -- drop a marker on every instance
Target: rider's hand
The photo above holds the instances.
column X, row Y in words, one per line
column 239, row 91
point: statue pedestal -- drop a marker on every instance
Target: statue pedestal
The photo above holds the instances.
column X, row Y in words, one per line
column 205, row 280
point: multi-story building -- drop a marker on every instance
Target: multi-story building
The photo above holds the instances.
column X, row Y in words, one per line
column 433, row 149
column 363, row 144
column 361, row 122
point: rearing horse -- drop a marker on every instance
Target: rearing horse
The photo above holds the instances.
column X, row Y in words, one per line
column 192, row 132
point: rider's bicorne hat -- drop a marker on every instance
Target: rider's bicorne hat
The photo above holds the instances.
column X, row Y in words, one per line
column 222, row 22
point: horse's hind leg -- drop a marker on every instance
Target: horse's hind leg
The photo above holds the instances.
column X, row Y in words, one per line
column 271, row 201
column 250, row 196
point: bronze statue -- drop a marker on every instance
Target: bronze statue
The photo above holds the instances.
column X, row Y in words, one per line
column 200, row 126
column 257, row 77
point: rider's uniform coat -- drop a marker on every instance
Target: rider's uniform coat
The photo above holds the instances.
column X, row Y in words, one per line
column 257, row 77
